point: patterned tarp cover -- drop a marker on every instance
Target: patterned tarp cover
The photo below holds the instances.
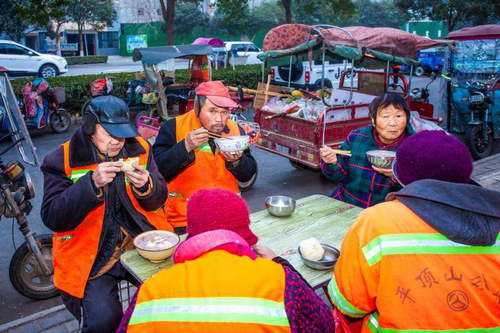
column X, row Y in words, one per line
column 387, row 40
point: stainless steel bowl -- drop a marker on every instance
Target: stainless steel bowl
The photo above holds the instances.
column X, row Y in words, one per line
column 381, row 158
column 327, row 262
column 279, row 205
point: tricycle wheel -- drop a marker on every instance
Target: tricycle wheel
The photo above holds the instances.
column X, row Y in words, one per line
column 301, row 166
column 60, row 121
column 25, row 273
column 475, row 140
column 245, row 186
column 139, row 115
column 298, row 165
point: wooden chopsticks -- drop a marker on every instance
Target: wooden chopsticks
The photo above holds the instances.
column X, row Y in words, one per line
column 213, row 135
column 341, row 152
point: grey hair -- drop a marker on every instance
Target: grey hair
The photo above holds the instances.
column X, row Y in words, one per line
column 199, row 103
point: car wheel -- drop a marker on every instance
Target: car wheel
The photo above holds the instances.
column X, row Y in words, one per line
column 419, row 71
column 48, row 71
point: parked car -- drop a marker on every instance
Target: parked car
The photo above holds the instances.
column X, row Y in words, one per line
column 308, row 77
column 20, row 60
column 244, row 49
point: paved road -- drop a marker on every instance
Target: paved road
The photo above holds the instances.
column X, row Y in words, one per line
column 118, row 65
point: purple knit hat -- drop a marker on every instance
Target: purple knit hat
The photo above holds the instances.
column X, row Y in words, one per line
column 432, row 155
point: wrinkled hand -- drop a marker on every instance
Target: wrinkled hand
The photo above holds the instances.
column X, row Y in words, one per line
column 105, row 173
column 196, row 138
column 385, row 172
column 139, row 177
column 234, row 159
column 263, row 251
column 328, row 155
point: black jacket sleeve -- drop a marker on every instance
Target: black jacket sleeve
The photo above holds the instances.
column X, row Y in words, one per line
column 171, row 156
column 159, row 191
column 65, row 204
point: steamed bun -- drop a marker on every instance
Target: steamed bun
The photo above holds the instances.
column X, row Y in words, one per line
column 128, row 163
column 311, row 249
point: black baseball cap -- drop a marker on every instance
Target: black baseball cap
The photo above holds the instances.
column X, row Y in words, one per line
column 113, row 115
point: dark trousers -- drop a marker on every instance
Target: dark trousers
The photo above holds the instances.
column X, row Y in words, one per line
column 100, row 306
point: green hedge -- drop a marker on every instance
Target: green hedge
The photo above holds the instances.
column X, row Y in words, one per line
column 78, row 87
column 86, row 60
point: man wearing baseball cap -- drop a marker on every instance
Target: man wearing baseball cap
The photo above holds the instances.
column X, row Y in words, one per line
column 189, row 160
column 96, row 208
column 428, row 259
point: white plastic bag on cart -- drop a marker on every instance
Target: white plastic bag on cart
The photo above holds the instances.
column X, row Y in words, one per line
column 420, row 124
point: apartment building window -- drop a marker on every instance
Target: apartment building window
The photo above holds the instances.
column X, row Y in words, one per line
column 108, row 40
column 140, row 11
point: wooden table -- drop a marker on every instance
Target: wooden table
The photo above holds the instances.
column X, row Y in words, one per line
column 317, row 216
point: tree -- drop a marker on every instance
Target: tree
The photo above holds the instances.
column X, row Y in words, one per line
column 96, row 13
column 168, row 13
column 48, row 14
column 268, row 15
column 188, row 16
column 12, row 24
column 388, row 15
column 335, row 8
column 453, row 12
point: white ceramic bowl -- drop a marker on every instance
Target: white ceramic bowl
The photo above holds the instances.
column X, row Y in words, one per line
column 160, row 253
column 234, row 145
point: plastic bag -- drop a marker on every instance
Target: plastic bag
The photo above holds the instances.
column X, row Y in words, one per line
column 420, row 124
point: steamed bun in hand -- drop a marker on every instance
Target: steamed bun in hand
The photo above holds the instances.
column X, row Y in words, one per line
column 311, row 249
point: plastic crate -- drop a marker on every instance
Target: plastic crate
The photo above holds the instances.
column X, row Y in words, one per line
column 59, row 95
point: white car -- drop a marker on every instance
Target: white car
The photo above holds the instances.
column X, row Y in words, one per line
column 244, row 49
column 20, row 60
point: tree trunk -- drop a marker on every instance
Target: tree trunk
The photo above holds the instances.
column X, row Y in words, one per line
column 58, row 43
column 168, row 12
column 80, row 35
column 287, row 4
column 85, row 40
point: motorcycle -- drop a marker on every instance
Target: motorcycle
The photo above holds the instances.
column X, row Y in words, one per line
column 479, row 133
column 30, row 269
column 42, row 105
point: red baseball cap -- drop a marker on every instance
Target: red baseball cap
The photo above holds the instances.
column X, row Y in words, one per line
column 217, row 93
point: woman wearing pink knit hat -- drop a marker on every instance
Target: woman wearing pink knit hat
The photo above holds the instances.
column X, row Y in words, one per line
column 219, row 284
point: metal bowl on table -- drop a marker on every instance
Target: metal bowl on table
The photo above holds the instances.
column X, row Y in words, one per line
column 327, row 262
column 279, row 205
column 381, row 158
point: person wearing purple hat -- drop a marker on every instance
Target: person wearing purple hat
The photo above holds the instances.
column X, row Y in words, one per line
column 222, row 281
column 427, row 259
column 358, row 181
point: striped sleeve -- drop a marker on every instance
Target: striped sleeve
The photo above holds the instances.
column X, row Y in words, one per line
column 354, row 284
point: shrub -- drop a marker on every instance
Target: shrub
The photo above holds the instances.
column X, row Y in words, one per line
column 86, row 60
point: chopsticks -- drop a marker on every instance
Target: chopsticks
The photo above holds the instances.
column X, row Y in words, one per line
column 341, row 152
column 213, row 135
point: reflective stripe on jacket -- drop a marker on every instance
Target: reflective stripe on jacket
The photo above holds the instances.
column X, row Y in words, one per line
column 400, row 274
column 218, row 292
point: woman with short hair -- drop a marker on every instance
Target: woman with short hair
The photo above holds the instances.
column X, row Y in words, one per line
column 359, row 182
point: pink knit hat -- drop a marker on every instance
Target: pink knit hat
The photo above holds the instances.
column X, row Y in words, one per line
column 219, row 209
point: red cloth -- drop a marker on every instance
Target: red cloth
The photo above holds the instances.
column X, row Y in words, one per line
column 385, row 146
column 219, row 209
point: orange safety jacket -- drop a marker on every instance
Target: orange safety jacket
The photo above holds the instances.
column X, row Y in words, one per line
column 400, row 274
column 74, row 251
column 218, row 292
column 207, row 171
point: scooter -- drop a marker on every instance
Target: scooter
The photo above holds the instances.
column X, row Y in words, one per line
column 51, row 112
column 479, row 133
column 30, row 270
